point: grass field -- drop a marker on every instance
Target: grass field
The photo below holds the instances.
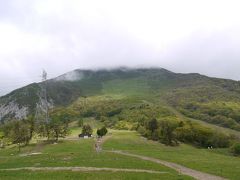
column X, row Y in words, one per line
column 216, row 161
column 29, row 175
column 76, row 153
column 81, row 153
column 75, row 130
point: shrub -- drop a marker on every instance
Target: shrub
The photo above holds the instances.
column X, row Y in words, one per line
column 123, row 125
column 114, row 112
column 235, row 149
column 87, row 130
column 102, row 132
column 167, row 132
column 152, row 125
column 141, row 130
column 219, row 140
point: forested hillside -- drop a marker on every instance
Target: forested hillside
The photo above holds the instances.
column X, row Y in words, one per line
column 212, row 100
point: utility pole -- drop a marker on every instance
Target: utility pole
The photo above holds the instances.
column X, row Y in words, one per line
column 44, row 94
column 42, row 107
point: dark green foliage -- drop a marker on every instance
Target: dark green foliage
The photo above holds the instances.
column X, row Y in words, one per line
column 167, row 132
column 202, row 136
column 58, row 124
column 87, row 130
column 236, row 149
column 80, row 122
column 114, row 112
column 152, row 125
column 63, row 92
column 220, row 140
column 102, row 132
column 31, row 122
column 192, row 94
column 2, row 138
column 148, row 100
column 208, row 103
column 163, row 131
column 18, row 132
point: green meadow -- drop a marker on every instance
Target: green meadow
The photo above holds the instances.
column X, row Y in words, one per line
column 81, row 153
column 76, row 153
column 214, row 161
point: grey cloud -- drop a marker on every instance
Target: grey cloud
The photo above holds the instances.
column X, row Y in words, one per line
column 95, row 39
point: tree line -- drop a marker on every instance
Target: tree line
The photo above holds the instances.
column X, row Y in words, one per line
column 174, row 132
column 20, row 132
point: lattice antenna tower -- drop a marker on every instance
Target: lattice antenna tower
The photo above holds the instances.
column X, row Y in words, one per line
column 44, row 94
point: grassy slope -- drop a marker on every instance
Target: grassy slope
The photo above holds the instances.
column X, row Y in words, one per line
column 76, row 153
column 134, row 90
column 28, row 175
column 145, row 84
column 81, row 153
column 213, row 126
column 139, row 90
column 215, row 161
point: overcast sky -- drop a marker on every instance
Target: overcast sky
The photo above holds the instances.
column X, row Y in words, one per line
column 200, row 36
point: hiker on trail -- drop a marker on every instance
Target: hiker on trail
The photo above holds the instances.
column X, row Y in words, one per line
column 97, row 147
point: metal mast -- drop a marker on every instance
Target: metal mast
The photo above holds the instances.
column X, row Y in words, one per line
column 44, row 94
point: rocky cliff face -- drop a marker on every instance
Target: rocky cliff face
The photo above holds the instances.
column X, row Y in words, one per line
column 12, row 109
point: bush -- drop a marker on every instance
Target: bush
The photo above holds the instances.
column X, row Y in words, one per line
column 141, row 130
column 102, row 132
column 87, row 130
column 114, row 112
column 167, row 132
column 152, row 125
column 235, row 149
column 123, row 125
column 219, row 140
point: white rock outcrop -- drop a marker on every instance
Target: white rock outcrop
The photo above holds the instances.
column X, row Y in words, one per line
column 13, row 109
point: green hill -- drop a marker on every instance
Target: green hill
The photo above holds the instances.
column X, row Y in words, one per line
column 196, row 116
column 212, row 100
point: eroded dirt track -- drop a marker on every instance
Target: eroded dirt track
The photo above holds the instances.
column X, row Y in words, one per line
column 86, row 169
column 181, row 169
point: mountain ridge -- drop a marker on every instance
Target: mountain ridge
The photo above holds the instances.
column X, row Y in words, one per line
column 181, row 91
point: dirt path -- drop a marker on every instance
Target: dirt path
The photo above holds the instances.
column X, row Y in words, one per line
column 84, row 169
column 181, row 169
column 99, row 142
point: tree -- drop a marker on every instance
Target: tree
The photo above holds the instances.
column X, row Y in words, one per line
column 87, row 130
column 18, row 132
column 42, row 126
column 30, row 120
column 102, row 132
column 1, row 139
column 167, row 135
column 236, row 149
column 80, row 122
column 219, row 140
column 58, row 124
column 152, row 125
